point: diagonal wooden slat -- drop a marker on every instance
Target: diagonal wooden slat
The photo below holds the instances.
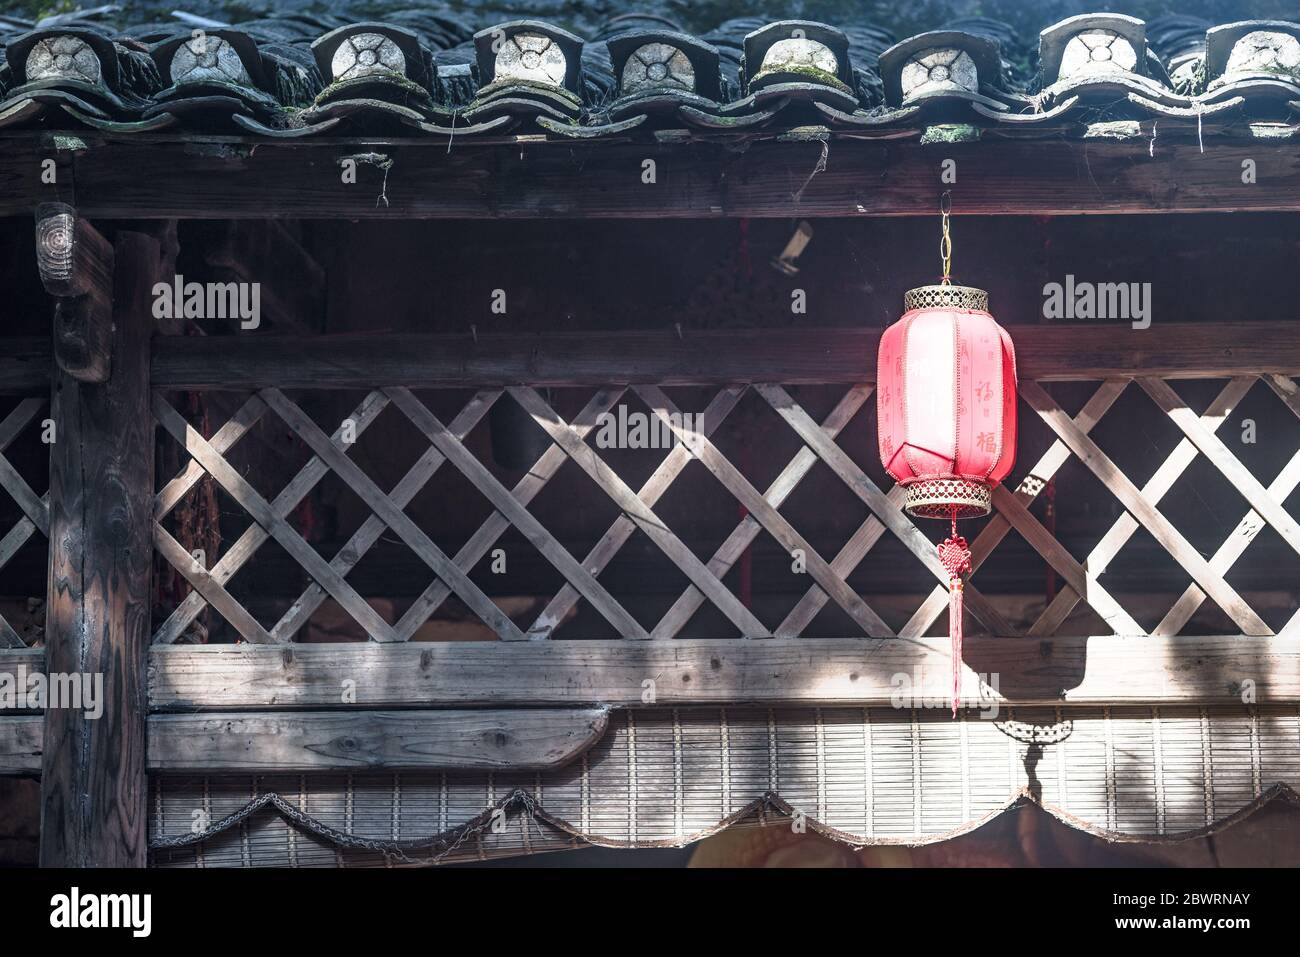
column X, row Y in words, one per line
column 33, row 507
column 1125, row 525
column 876, row 500
column 241, row 552
column 365, row 537
column 205, row 584
column 1221, row 457
column 1081, row 580
column 1161, row 529
column 1247, row 529
column 519, row 516
column 14, row 423
column 17, row 536
column 743, row 535
column 936, row 603
column 18, row 419
column 1227, row 554
column 393, row 517
column 235, row 428
column 1288, row 391
column 771, row 520
column 525, row 490
column 261, row 512
column 621, row 530
column 846, row 559
column 23, row 529
column 8, row 637
column 639, row 512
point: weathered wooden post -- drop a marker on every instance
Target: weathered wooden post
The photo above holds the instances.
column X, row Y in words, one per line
column 93, row 785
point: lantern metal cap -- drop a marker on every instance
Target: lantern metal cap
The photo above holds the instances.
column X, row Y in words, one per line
column 946, row 297
column 936, row 498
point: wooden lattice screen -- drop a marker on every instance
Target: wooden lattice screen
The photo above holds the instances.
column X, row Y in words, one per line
column 636, row 510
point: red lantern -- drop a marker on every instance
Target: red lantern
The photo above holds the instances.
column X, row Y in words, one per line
column 946, row 404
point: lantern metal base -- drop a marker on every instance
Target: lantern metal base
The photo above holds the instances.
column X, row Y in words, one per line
column 936, row 498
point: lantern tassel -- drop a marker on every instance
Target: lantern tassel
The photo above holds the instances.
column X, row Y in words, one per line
column 954, row 554
column 954, row 629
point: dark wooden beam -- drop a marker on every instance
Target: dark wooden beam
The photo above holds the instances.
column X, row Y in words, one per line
column 1044, row 352
column 22, row 168
column 791, row 356
column 93, row 783
column 471, row 740
column 1104, row 670
column 76, row 266
column 165, row 176
column 1091, row 671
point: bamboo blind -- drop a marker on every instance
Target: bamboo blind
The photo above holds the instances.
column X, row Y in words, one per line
column 664, row 777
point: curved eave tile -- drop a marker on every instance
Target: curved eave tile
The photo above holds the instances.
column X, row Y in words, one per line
column 587, row 105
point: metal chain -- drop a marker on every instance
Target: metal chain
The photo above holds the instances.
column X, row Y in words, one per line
column 945, row 243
